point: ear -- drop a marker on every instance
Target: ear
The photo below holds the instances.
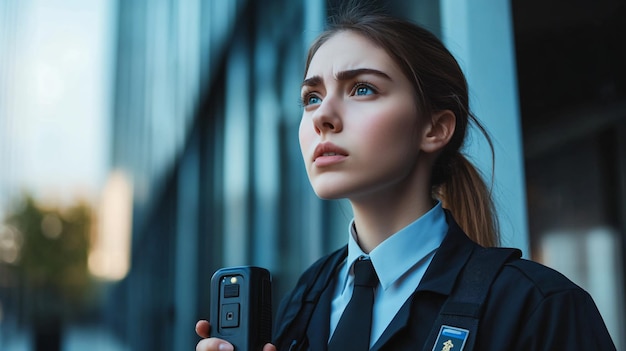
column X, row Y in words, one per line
column 438, row 131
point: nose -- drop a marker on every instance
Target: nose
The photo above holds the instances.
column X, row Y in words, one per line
column 326, row 118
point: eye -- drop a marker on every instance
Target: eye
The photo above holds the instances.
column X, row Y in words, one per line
column 311, row 99
column 362, row 89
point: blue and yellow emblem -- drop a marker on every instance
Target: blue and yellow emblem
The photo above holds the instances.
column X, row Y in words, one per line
column 450, row 339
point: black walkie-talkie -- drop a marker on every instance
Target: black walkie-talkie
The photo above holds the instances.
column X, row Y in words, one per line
column 241, row 307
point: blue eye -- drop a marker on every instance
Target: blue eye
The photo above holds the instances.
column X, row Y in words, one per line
column 311, row 100
column 362, row 89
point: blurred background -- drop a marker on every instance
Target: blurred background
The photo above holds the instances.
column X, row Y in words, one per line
column 146, row 143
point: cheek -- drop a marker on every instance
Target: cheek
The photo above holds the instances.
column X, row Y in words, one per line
column 392, row 131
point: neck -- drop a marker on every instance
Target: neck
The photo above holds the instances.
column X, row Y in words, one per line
column 379, row 216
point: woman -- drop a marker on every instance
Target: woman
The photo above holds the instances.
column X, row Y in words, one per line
column 385, row 117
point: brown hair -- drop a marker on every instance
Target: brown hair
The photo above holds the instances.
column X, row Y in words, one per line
column 439, row 85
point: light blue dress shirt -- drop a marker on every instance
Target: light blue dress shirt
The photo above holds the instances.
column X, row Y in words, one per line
column 400, row 262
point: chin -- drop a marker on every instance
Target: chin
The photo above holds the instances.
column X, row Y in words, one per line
column 332, row 186
column 328, row 192
column 328, row 197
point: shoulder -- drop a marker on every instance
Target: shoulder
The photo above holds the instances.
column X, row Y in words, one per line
column 545, row 280
column 533, row 285
column 534, row 307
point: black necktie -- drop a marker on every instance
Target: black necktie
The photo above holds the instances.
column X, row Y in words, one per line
column 354, row 328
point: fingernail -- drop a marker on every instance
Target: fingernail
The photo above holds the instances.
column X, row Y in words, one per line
column 225, row 347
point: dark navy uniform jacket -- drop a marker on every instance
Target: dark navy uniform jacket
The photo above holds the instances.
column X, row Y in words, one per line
column 529, row 307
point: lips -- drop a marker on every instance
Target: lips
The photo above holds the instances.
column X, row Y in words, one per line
column 328, row 153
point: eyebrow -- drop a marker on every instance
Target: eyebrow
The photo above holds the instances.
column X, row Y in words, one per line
column 345, row 75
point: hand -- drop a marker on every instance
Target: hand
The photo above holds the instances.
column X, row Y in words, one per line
column 203, row 329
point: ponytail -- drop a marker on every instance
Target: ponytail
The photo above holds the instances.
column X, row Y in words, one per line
column 464, row 193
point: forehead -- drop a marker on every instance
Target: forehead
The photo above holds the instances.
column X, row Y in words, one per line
column 348, row 50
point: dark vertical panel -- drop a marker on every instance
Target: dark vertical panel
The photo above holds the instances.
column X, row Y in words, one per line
column 573, row 101
column 620, row 154
column 150, row 281
column 210, row 124
column 185, row 253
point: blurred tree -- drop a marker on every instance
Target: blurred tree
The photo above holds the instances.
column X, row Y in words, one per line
column 52, row 266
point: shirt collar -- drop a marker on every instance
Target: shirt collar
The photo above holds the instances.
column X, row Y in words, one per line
column 397, row 254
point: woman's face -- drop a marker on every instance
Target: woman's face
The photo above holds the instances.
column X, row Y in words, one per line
column 360, row 130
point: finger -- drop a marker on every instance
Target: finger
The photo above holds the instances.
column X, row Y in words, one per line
column 214, row 344
column 269, row 347
column 203, row 328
